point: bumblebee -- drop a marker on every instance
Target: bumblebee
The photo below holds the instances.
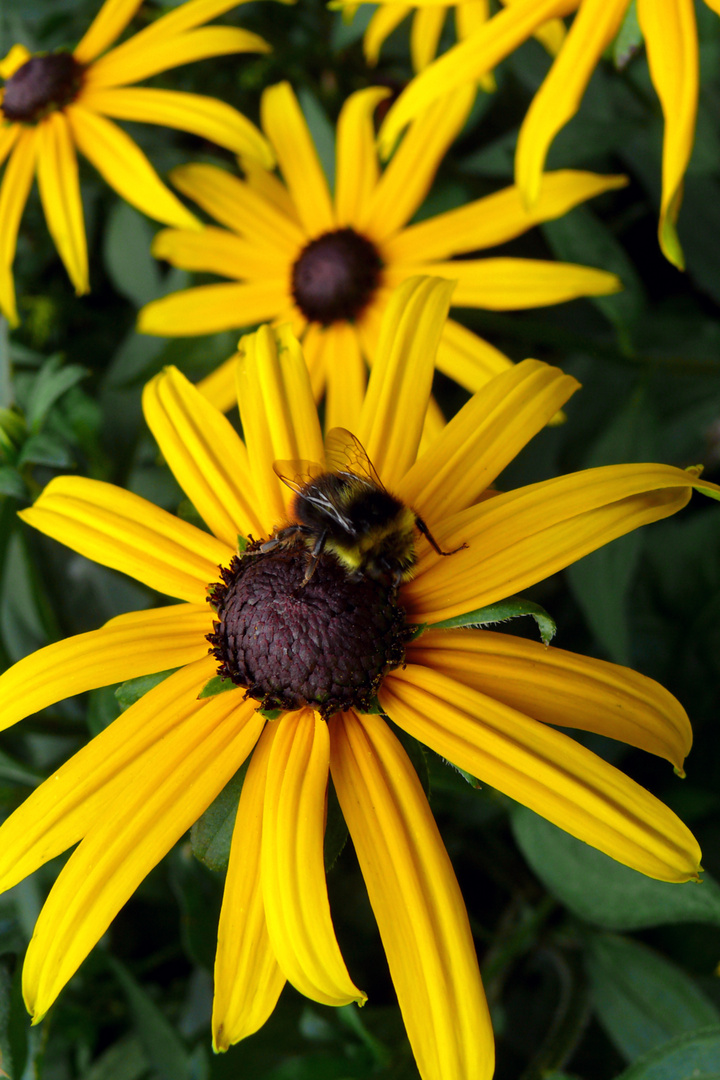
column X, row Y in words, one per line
column 343, row 508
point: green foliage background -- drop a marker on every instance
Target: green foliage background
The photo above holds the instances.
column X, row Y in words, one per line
column 592, row 971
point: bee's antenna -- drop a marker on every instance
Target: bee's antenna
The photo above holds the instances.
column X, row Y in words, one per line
column 431, row 539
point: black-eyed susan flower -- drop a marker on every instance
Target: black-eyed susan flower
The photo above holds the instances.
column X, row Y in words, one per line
column 670, row 32
column 321, row 648
column 328, row 263
column 54, row 103
column 427, row 25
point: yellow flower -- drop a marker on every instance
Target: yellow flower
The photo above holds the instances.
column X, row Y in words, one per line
column 56, row 102
column 427, row 26
column 483, row 700
column 670, row 33
column 328, row 264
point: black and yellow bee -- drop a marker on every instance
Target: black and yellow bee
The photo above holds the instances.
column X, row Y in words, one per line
column 343, row 508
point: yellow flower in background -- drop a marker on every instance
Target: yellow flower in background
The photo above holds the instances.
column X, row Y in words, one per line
column 328, row 263
column 670, row 32
column 428, row 20
column 54, row 103
column 483, row 700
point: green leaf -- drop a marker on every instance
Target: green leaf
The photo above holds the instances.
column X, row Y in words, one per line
column 216, row 685
column 163, row 1047
column 507, row 609
column 336, row 831
column 131, row 691
column 602, row 891
column 322, row 132
column 689, row 1057
column 133, row 270
column 125, row 1060
column 52, row 381
column 211, row 835
column 46, row 449
column 642, row 999
column 629, row 39
column 199, row 895
column 12, row 483
column 14, row 772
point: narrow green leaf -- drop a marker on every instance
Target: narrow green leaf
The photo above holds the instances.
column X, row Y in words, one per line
column 642, row 999
column 12, row 483
column 600, row 890
column 124, row 1060
column 216, row 685
column 211, row 835
column 689, row 1057
column 132, row 269
column 163, row 1047
column 131, row 691
column 336, row 831
column 46, row 449
column 629, row 39
column 507, row 609
column 52, row 381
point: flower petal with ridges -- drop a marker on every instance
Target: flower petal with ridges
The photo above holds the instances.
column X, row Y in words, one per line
column 558, row 99
column 208, row 309
column 297, row 908
column 425, row 32
column 106, row 27
column 521, row 537
column 543, row 769
column 401, row 377
column 64, row 808
column 561, row 688
column 170, row 790
column 671, row 42
column 382, row 23
column 139, row 643
column 59, row 185
column 200, row 115
column 248, row 979
column 356, row 170
column 346, row 372
column 484, row 437
column 208, row 459
column 13, row 196
column 217, row 251
column 285, row 126
column 467, row 358
column 415, row 899
column 119, row 529
column 125, row 168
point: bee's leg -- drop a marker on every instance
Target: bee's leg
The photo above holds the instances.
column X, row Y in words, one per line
column 431, row 539
column 280, row 537
column 315, row 554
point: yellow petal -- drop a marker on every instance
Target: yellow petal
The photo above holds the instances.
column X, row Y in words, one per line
column 217, row 251
column 237, row 204
column 137, row 59
column 408, row 177
column 346, row 375
column 671, row 41
column 278, row 413
column 384, row 20
column 59, row 186
column 269, row 187
column 467, row 61
column 64, row 808
column 125, row 168
column 468, row 359
column 285, row 126
column 543, row 769
column 138, row 643
column 13, row 196
column 401, row 376
column 184, row 17
column 523, row 536
column 356, row 169
column 496, row 218
column 203, row 116
column 130, row 534
column 14, row 60
column 484, row 437
column 208, row 309
column 416, row 900
column 558, row 99
column 219, row 386
column 207, row 457
column 425, row 34
column 169, row 791
column 106, row 27
column 297, row 908
column 562, row 688
column 248, row 979
column 512, row 284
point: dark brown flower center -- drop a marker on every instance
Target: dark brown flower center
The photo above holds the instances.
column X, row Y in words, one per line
column 327, row 643
column 335, row 276
column 41, row 85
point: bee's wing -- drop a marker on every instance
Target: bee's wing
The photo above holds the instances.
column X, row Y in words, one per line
column 297, row 474
column 344, row 453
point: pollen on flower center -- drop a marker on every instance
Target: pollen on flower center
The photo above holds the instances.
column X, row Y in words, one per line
column 42, row 84
column 335, row 276
column 327, row 643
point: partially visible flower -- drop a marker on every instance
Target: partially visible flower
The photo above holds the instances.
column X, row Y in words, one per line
column 328, row 265
column 318, row 650
column 56, row 102
column 427, row 25
column 670, row 33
